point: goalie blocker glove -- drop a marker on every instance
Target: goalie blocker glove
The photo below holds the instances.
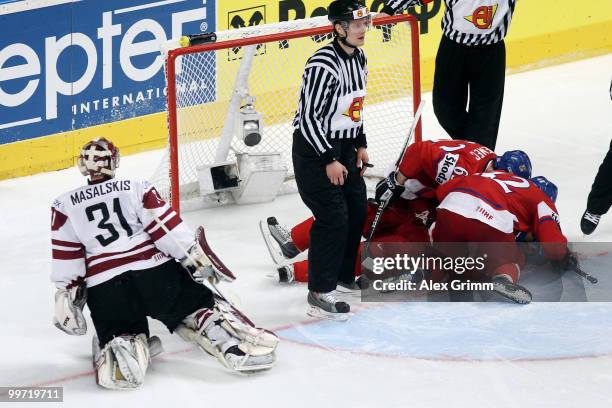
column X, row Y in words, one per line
column 202, row 263
column 387, row 190
column 69, row 305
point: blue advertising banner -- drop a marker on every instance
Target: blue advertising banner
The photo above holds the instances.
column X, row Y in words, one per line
column 75, row 64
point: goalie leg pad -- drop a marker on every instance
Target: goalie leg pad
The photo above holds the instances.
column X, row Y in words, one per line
column 243, row 328
column 209, row 329
column 122, row 363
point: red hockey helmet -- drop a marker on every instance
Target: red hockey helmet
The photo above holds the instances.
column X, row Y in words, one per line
column 99, row 157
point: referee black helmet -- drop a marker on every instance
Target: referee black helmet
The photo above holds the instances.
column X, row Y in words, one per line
column 347, row 10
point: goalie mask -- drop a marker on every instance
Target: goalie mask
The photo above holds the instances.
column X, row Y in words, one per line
column 98, row 159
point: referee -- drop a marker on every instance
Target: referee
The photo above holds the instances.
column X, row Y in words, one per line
column 600, row 197
column 329, row 148
column 471, row 60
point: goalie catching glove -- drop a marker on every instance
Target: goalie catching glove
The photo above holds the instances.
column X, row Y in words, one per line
column 69, row 305
column 203, row 264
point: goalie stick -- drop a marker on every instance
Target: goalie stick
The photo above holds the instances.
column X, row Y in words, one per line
column 382, row 206
column 208, row 282
column 213, row 258
column 251, row 333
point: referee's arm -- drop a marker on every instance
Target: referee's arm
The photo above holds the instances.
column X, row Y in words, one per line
column 393, row 6
column 319, row 83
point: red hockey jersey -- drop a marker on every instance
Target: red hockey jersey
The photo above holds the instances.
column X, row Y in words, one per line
column 428, row 164
column 508, row 203
column 102, row 230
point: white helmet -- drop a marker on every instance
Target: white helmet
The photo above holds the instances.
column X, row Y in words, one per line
column 99, row 157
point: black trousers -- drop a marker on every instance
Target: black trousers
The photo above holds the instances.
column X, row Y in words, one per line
column 166, row 293
column 339, row 213
column 600, row 197
column 478, row 71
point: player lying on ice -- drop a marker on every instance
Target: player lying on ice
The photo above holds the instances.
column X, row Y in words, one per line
column 117, row 246
column 431, row 164
column 514, row 207
column 428, row 164
column 493, row 208
column 433, row 168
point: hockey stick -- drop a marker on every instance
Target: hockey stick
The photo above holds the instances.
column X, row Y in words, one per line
column 584, row 274
column 383, row 205
column 206, row 282
column 220, row 297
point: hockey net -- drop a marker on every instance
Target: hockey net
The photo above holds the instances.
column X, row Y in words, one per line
column 208, row 83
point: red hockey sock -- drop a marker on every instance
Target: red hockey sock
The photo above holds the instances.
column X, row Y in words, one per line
column 300, row 271
column 358, row 261
column 300, row 234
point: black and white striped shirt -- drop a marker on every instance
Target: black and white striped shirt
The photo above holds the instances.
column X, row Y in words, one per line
column 331, row 99
column 468, row 22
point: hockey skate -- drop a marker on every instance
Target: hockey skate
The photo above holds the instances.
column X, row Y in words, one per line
column 228, row 335
column 123, row 362
column 354, row 288
column 155, row 346
column 397, row 279
column 326, row 306
column 589, row 222
column 278, row 241
column 286, row 274
column 516, row 293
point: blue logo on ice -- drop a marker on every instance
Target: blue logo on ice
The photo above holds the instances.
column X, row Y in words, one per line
column 84, row 63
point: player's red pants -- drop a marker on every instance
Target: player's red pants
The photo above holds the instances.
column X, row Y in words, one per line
column 502, row 259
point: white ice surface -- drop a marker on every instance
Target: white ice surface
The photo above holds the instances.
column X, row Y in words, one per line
column 422, row 355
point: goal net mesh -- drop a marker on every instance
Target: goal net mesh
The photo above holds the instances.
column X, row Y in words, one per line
column 205, row 80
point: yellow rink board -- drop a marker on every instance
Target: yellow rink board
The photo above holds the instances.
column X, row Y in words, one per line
column 543, row 33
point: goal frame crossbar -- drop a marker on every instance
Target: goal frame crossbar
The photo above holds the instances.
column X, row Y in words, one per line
column 173, row 54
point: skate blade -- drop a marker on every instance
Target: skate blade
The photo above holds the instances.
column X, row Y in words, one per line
column 273, row 248
column 322, row 314
column 517, row 296
column 155, row 346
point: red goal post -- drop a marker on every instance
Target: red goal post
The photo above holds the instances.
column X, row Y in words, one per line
column 202, row 83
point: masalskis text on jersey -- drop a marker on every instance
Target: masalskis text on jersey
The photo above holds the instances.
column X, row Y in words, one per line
column 98, row 190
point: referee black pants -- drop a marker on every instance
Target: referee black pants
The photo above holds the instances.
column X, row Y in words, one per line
column 339, row 213
column 600, row 197
column 477, row 71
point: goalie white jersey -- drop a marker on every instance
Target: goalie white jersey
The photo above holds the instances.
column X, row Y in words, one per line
column 102, row 230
